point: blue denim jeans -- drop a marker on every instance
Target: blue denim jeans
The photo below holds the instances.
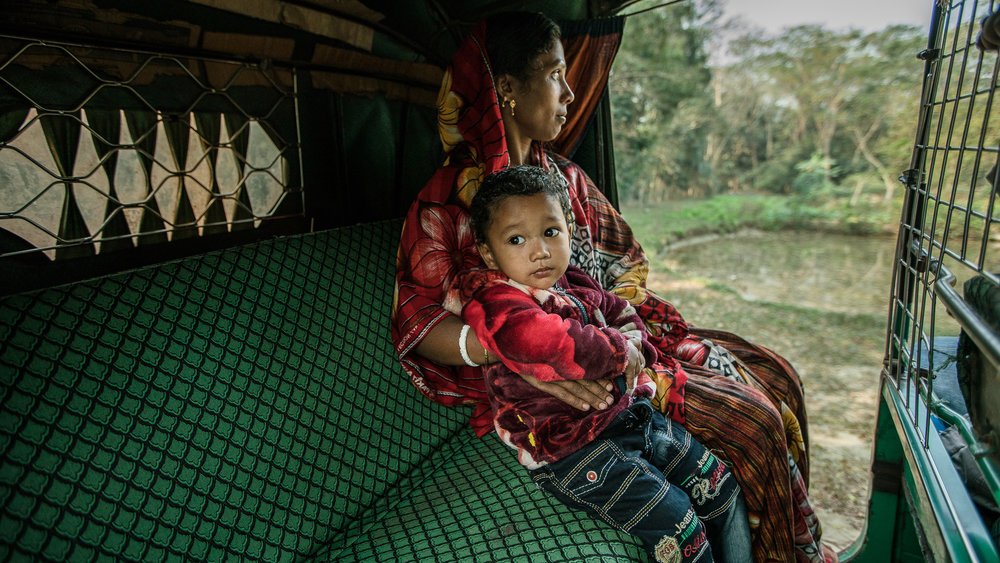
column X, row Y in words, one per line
column 647, row 476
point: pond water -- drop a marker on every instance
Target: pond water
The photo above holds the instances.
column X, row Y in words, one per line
column 835, row 273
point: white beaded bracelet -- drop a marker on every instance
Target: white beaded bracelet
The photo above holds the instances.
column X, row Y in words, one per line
column 461, row 346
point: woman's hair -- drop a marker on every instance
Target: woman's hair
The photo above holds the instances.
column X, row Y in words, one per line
column 522, row 180
column 515, row 39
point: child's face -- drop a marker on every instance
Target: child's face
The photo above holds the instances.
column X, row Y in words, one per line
column 528, row 240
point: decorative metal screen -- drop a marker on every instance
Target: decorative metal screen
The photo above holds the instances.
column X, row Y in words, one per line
column 106, row 149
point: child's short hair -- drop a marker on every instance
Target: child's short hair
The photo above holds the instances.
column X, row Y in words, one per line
column 522, row 180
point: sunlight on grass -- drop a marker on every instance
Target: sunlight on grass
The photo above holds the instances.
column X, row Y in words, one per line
column 659, row 225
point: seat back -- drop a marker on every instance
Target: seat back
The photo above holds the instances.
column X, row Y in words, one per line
column 240, row 404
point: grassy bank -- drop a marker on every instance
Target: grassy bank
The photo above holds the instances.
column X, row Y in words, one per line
column 661, row 224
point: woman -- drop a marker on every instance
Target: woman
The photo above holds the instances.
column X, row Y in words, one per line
column 503, row 96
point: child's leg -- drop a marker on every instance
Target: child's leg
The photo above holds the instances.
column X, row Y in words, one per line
column 730, row 536
column 711, row 486
column 611, row 480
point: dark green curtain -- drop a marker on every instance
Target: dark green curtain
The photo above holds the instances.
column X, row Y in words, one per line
column 238, row 127
column 142, row 128
column 209, row 128
column 10, row 123
column 178, row 133
column 287, row 142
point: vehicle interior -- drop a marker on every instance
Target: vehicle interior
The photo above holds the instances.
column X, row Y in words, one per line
column 200, row 209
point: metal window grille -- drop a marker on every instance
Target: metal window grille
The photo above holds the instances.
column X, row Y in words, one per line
column 105, row 149
column 948, row 230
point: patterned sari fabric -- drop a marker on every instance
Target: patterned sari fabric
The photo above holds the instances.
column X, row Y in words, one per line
column 741, row 400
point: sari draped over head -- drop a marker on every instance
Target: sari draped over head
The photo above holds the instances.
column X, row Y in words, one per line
column 741, row 400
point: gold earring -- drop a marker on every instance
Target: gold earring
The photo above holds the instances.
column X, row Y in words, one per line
column 512, row 104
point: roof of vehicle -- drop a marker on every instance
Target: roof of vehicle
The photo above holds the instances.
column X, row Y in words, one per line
column 419, row 32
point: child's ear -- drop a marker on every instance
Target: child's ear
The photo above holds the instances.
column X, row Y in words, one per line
column 484, row 251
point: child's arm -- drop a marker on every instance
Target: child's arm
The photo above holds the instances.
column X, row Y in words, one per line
column 512, row 326
column 620, row 315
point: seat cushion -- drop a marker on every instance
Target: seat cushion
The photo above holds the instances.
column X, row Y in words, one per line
column 479, row 504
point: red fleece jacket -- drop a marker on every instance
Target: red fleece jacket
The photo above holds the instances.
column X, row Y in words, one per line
column 576, row 330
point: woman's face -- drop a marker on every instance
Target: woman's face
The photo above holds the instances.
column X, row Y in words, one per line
column 542, row 99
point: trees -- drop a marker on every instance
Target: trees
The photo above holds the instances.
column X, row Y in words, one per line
column 661, row 64
column 760, row 121
column 848, row 97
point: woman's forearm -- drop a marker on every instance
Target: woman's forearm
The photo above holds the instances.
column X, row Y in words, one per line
column 441, row 344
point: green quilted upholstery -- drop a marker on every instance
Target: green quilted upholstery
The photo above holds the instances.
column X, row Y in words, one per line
column 481, row 506
column 247, row 404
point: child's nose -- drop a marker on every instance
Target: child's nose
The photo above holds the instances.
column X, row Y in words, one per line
column 541, row 250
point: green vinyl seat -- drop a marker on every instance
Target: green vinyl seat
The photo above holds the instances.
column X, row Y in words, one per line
column 248, row 404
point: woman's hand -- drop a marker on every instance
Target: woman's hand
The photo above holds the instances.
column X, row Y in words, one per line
column 581, row 394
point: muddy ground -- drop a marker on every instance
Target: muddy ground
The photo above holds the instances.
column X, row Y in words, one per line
column 838, row 355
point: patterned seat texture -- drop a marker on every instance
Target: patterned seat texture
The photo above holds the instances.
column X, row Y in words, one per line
column 247, row 404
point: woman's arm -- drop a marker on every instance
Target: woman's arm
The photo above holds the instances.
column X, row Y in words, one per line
column 441, row 345
column 529, row 340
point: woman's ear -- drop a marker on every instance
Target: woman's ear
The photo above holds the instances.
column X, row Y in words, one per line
column 505, row 87
column 484, row 251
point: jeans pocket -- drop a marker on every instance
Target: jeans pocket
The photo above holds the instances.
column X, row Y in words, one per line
column 590, row 472
column 606, row 482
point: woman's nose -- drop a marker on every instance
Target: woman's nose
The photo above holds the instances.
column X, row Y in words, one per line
column 567, row 94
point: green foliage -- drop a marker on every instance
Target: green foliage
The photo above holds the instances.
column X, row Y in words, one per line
column 776, row 175
column 662, row 63
column 814, row 175
column 769, row 117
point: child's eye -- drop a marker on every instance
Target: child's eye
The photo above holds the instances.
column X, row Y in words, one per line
column 552, row 232
column 516, row 239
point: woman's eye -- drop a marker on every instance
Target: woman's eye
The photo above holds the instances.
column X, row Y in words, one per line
column 516, row 239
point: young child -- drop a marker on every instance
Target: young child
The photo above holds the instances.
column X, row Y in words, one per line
column 626, row 464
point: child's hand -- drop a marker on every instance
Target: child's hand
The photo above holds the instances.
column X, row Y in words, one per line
column 636, row 363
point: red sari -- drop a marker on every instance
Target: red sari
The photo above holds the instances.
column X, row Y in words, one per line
column 741, row 400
